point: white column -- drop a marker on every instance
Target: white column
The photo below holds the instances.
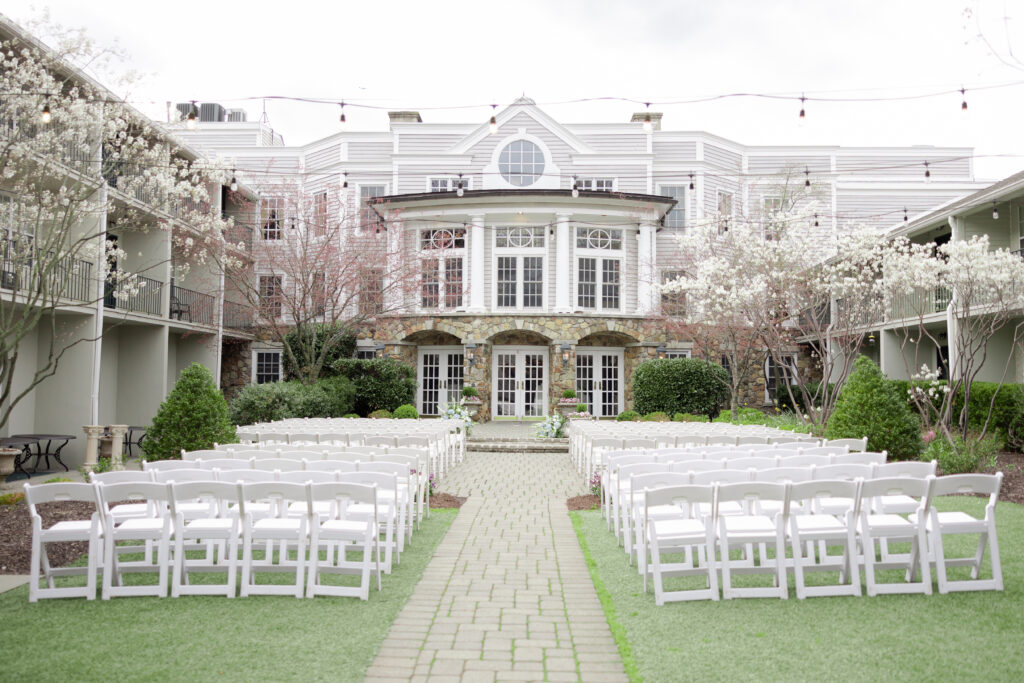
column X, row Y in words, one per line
column 645, row 268
column 563, row 264
column 477, row 235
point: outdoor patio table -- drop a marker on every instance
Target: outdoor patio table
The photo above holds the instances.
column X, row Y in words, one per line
column 24, row 442
column 49, row 451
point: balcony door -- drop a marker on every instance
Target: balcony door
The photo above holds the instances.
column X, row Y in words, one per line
column 441, row 373
column 599, row 380
column 519, row 383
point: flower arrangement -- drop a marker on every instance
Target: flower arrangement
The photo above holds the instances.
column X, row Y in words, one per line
column 551, row 427
column 568, row 398
column 595, row 485
column 580, row 415
column 453, row 411
column 470, row 395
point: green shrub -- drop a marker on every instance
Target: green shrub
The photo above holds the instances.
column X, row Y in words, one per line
column 328, row 397
column 261, row 403
column 656, row 417
column 341, row 395
column 380, row 383
column 783, row 402
column 350, row 415
column 581, row 407
column 680, row 385
column 12, row 498
column 380, row 414
column 406, row 412
column 959, row 457
column 1015, row 430
column 870, row 406
column 628, row 416
column 744, row 416
column 311, row 340
column 689, row 417
column 194, row 417
column 470, row 392
column 569, row 393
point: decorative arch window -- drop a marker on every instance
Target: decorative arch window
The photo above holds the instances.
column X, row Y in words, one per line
column 443, row 238
column 599, row 268
column 598, row 238
column 521, row 163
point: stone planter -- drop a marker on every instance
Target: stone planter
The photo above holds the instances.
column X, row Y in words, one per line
column 566, row 409
column 471, row 404
column 7, row 457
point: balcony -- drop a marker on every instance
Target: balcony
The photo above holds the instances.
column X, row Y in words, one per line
column 27, row 271
column 144, row 297
column 920, row 303
column 237, row 316
column 192, row 306
column 240, row 234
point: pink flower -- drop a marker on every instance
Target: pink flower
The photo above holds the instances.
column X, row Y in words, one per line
column 929, row 437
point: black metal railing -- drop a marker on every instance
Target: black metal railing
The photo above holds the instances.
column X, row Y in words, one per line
column 25, row 269
column 195, row 307
column 139, row 294
column 237, row 316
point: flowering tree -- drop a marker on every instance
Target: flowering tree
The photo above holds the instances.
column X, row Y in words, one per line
column 981, row 291
column 322, row 267
column 73, row 156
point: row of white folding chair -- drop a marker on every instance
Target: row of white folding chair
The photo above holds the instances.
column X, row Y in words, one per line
column 633, row 478
column 696, row 534
column 408, row 492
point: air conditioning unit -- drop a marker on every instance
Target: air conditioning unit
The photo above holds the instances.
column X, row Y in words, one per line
column 211, row 111
column 237, row 116
column 184, row 108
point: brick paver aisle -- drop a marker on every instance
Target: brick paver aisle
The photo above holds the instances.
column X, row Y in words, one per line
column 507, row 596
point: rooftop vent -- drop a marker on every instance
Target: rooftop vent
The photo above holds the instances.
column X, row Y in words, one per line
column 640, row 116
column 405, row 117
column 237, row 116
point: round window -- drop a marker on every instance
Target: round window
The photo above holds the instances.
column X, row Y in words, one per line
column 521, row 163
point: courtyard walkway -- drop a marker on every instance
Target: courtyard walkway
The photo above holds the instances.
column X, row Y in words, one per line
column 507, row 596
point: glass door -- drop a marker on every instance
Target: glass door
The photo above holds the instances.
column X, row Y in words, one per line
column 599, row 380
column 441, row 375
column 519, row 384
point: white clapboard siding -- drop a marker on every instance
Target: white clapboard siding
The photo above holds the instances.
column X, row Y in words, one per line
column 674, row 151
column 722, row 157
column 323, row 157
column 617, row 143
column 883, row 209
column 783, row 163
column 431, row 143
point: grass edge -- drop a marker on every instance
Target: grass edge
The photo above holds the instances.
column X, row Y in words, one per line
column 611, row 615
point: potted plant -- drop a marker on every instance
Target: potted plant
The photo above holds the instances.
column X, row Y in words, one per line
column 567, row 404
column 470, row 400
column 581, row 413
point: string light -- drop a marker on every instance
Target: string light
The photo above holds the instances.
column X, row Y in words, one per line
column 190, row 120
column 648, row 126
column 459, row 191
column 691, row 181
column 234, row 181
column 807, row 177
column 904, row 214
column 963, row 95
column 344, row 182
column 803, row 112
column 816, row 220
column 341, row 120
column 927, row 173
column 45, row 116
column 575, row 187
column 494, row 121
column 995, row 211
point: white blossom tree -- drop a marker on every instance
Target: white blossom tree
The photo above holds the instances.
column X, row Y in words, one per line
column 72, row 156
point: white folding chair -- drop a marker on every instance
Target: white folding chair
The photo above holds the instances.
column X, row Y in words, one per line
column 860, row 458
column 753, row 529
column 386, row 510
column 853, row 444
column 155, row 527
column 277, row 464
column 276, row 529
column 359, row 534
column 256, row 454
column 721, row 440
column 89, row 530
column 634, row 528
column 224, row 464
column 957, row 523
column 345, row 456
column 805, row 460
column 825, row 450
column 303, row 438
column 196, row 455
column 883, row 526
column 167, row 465
column 752, row 441
column 307, row 454
column 380, row 440
column 687, row 533
column 805, row 530
column 216, row 525
column 750, row 463
column 367, row 450
column 329, row 466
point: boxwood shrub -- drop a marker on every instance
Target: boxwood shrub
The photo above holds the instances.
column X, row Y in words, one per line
column 680, row 385
column 406, row 412
column 381, row 383
column 331, row 397
column 628, row 416
column 193, row 417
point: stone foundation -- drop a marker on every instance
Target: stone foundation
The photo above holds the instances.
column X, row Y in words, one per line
column 235, row 366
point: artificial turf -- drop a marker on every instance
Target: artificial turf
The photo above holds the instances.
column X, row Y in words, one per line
column 960, row 636
column 195, row 638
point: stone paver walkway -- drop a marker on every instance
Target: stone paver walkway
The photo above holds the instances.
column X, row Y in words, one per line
column 507, row 596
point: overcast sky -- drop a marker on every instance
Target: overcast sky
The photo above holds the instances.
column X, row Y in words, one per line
column 418, row 55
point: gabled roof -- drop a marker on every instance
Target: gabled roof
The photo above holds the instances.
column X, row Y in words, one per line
column 994, row 192
column 529, row 107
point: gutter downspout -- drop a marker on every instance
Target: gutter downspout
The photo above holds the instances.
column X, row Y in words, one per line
column 97, row 358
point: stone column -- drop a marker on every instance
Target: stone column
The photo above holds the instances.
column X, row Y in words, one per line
column 645, row 268
column 478, row 375
column 117, row 433
column 562, row 376
column 477, row 236
column 563, row 261
column 92, row 444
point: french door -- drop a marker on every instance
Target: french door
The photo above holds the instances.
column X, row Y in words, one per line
column 599, row 380
column 441, row 374
column 519, row 383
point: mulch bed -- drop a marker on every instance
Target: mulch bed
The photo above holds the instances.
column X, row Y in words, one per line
column 587, row 502
column 446, row 500
column 16, row 535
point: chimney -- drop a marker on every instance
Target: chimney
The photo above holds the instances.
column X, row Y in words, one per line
column 405, row 117
column 640, row 116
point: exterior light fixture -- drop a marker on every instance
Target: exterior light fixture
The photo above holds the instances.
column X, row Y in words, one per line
column 493, row 123
column 344, row 183
column 661, row 351
column 190, row 120
column 963, row 95
column 927, row 173
column 378, row 351
column 803, row 113
column 575, row 187
column 565, row 348
column 459, row 190
column 45, row 116
column 648, row 126
column 691, row 181
column 471, row 353
column 871, row 338
column 995, row 211
column 234, row 181
column 807, row 177
column 341, row 119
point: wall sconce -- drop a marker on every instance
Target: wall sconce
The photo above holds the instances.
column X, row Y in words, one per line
column 661, row 351
column 378, row 351
column 871, row 339
column 471, row 353
column 565, row 348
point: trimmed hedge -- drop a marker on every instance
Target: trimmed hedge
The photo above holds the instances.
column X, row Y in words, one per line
column 344, row 346
column 193, row 417
column 871, row 406
column 687, row 417
column 656, row 417
column 381, row 383
column 330, row 397
column 680, row 385
column 406, row 412
column 628, row 416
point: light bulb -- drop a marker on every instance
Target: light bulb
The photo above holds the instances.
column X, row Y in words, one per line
column 341, row 122
column 46, row 114
column 691, row 181
column 807, row 178
column 803, row 113
column 963, row 105
column 344, row 183
column 190, row 121
column 493, row 123
column 234, row 182
column 927, row 173
column 648, row 127
column 995, row 212
column 575, row 188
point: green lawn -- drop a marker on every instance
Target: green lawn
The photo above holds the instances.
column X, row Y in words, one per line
column 195, row 638
column 961, row 636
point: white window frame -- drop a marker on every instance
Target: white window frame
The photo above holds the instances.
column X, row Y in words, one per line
column 792, row 357
column 442, row 257
column 451, row 180
column 719, row 196
column 682, row 203
column 263, row 301
column 613, row 183
column 270, row 204
column 378, row 221
column 320, row 211
column 600, row 256
column 677, row 353
column 256, row 364
column 519, row 253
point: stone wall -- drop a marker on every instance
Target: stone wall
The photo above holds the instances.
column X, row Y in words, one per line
column 235, row 366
